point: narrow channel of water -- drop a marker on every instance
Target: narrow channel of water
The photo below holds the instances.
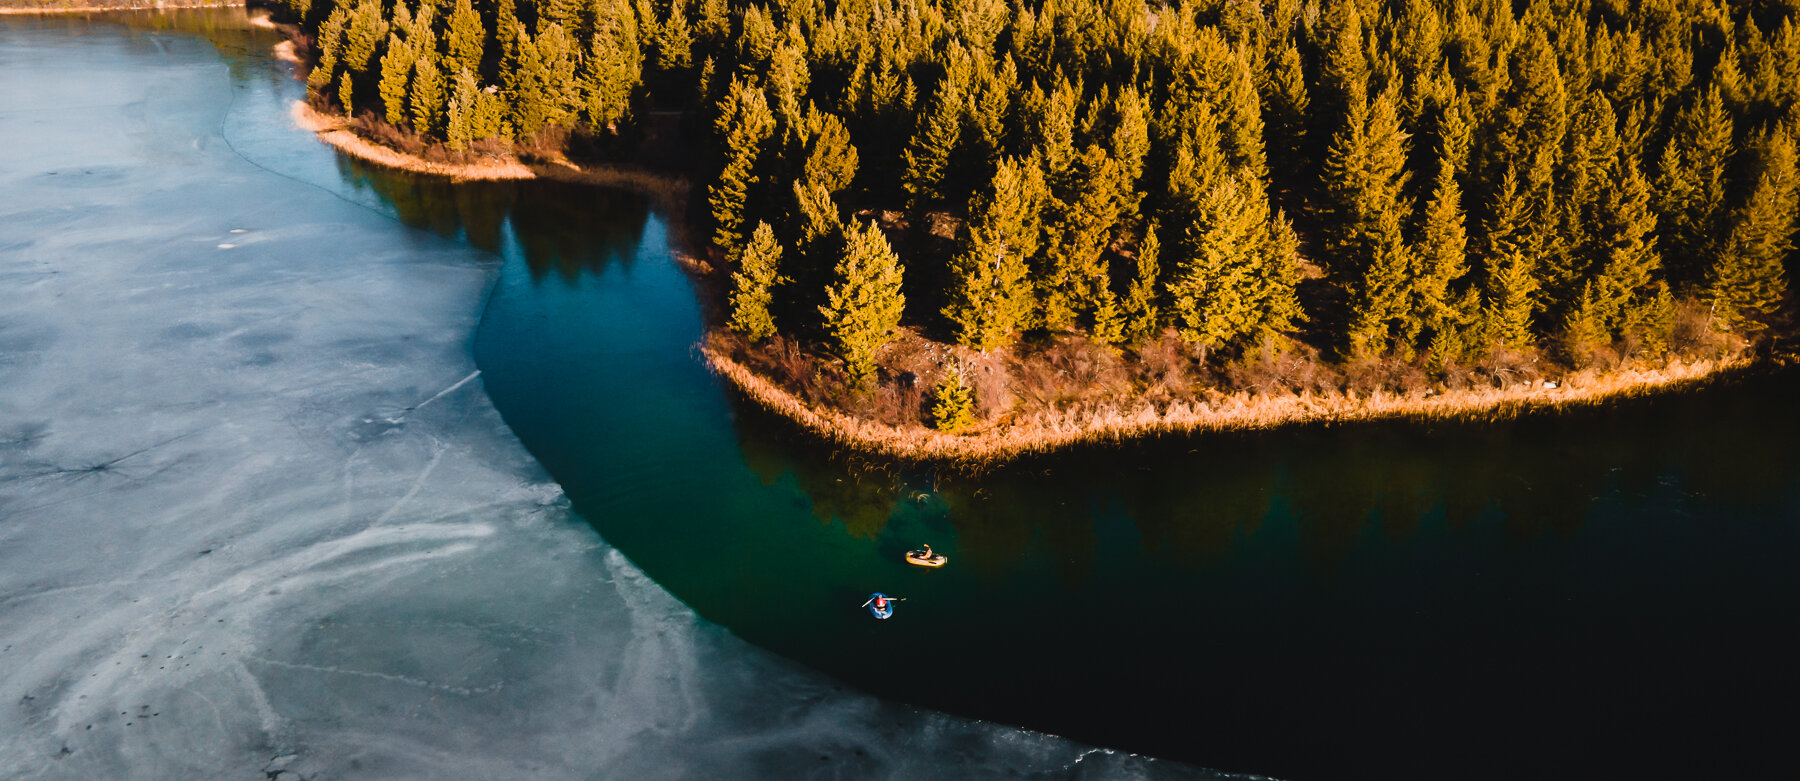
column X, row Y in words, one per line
column 1594, row 592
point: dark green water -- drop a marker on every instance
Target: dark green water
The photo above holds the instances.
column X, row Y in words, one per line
column 1598, row 593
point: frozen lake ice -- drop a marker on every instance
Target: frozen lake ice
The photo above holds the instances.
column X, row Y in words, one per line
column 258, row 518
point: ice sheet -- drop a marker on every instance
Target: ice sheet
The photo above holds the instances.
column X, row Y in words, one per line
column 258, row 519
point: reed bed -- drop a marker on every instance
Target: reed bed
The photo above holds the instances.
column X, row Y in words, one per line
column 1046, row 430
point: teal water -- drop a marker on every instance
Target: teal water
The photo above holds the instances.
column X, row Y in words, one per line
column 1598, row 592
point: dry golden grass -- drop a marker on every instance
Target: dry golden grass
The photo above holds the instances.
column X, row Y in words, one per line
column 1045, row 430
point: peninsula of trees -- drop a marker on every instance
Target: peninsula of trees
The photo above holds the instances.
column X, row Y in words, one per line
column 963, row 213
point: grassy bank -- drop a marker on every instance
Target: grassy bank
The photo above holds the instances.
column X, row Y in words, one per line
column 352, row 137
column 91, row 6
column 1103, row 422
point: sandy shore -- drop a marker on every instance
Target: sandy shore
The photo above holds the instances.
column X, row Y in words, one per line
column 51, row 8
column 1044, row 431
column 336, row 131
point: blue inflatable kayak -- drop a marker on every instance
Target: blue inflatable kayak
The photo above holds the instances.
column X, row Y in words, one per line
column 880, row 605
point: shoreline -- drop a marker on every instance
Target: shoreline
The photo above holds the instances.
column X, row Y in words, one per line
column 12, row 10
column 1036, row 433
column 337, row 132
column 1043, row 431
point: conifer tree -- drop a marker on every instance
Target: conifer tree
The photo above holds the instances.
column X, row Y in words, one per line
column 362, row 36
column 1211, row 291
column 753, row 286
column 1512, row 282
column 1108, row 318
column 1344, row 74
column 1130, row 143
column 1142, row 313
column 345, row 88
column 991, row 293
column 1365, row 177
column 939, row 131
column 674, row 40
column 788, row 81
column 396, row 68
column 1585, row 326
column 1748, row 281
column 953, row 406
column 1379, row 322
column 465, row 39
column 505, row 27
column 541, row 88
column 746, row 123
column 1690, row 186
column 714, row 26
column 863, row 306
column 458, row 132
column 330, row 42
column 1051, row 131
column 487, row 115
column 989, row 105
column 816, row 218
column 1652, row 321
column 427, row 99
column 1287, row 102
column 1073, row 280
column 1440, row 254
column 831, row 160
column 1625, row 252
column 613, row 68
column 1277, row 308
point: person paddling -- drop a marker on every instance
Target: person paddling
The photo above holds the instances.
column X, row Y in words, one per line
column 881, row 605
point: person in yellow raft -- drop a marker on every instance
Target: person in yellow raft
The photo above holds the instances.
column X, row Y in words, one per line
column 925, row 558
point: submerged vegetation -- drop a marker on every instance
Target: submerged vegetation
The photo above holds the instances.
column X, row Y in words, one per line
column 968, row 213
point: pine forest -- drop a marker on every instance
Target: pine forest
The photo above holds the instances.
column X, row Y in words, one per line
column 943, row 212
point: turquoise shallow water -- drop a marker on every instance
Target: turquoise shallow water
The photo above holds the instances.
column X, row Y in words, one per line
column 1598, row 592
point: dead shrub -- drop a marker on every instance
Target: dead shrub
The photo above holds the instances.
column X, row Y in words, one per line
column 1457, row 375
column 992, row 383
column 1276, row 369
column 1388, row 373
column 1593, row 356
column 1164, row 367
column 1693, row 335
column 368, row 126
column 897, row 402
column 545, row 145
column 1069, row 370
column 1506, row 366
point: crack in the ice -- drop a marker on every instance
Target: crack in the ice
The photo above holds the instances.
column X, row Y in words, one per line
column 437, row 454
column 439, row 395
column 106, row 467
